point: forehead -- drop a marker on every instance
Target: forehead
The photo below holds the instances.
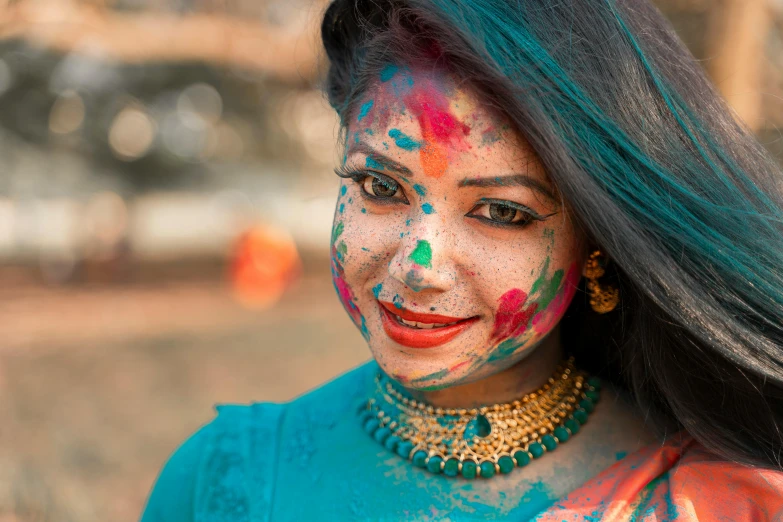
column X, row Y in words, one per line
column 426, row 117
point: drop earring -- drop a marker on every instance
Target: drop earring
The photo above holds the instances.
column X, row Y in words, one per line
column 603, row 299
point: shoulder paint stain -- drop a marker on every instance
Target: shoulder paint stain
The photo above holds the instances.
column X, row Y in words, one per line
column 422, row 254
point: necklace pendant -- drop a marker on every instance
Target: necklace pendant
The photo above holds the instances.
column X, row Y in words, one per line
column 479, row 427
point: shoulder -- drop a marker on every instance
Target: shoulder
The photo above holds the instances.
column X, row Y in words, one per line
column 218, row 464
column 677, row 479
column 715, row 487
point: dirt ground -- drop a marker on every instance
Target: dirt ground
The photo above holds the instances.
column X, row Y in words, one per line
column 99, row 385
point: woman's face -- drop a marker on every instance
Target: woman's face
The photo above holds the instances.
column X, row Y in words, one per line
column 445, row 215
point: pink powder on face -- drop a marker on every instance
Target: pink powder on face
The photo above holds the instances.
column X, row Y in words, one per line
column 544, row 321
column 442, row 133
column 512, row 316
column 458, row 366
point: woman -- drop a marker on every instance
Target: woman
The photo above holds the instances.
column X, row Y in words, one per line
column 542, row 204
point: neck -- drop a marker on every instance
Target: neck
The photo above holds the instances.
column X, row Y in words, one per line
column 507, row 385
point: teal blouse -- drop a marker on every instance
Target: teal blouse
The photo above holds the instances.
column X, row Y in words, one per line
column 310, row 459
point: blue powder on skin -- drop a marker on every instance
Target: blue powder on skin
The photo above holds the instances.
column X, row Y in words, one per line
column 365, row 249
column 364, row 211
column 403, row 141
column 407, row 222
column 372, row 164
column 376, row 290
column 427, row 208
column 342, row 207
column 421, row 191
column 398, row 301
column 388, row 72
column 365, row 109
column 343, row 190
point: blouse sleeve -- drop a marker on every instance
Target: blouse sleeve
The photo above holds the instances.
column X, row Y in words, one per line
column 172, row 498
column 222, row 472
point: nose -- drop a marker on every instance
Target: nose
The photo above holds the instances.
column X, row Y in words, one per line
column 423, row 260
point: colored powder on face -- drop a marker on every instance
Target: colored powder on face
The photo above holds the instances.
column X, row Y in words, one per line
column 388, row 72
column 373, row 164
column 369, row 131
column 441, row 131
column 343, row 190
column 342, row 207
column 345, row 294
column 376, row 290
column 433, row 376
column 414, row 279
column 398, row 301
column 342, row 250
column 421, row 191
column 364, row 249
column 422, row 254
column 548, row 317
column 364, row 210
column 434, row 160
column 427, row 208
column 365, row 109
column 513, row 316
column 363, row 329
column 403, row 141
column 407, row 222
column 337, row 231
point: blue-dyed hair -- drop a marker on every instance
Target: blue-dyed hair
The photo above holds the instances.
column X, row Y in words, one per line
column 654, row 169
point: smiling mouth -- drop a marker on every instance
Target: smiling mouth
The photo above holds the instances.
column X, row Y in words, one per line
column 421, row 330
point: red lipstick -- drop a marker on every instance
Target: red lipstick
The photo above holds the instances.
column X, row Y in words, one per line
column 417, row 337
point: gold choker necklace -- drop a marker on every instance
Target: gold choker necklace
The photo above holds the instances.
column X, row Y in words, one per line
column 484, row 441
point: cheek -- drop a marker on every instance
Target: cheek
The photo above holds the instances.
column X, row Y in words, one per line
column 545, row 320
column 341, row 259
column 522, row 315
column 359, row 254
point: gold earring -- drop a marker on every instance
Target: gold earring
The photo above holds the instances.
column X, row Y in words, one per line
column 602, row 299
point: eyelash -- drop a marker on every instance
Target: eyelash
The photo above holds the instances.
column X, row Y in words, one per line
column 358, row 176
column 529, row 215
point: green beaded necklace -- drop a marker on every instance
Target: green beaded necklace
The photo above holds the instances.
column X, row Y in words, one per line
column 485, row 441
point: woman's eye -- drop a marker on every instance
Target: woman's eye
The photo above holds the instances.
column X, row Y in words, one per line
column 503, row 213
column 381, row 188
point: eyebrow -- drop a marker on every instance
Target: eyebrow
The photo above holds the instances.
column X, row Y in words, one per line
column 385, row 161
column 511, row 180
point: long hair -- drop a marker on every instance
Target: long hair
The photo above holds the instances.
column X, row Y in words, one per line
column 653, row 168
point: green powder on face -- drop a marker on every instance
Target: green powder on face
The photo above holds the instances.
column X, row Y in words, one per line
column 422, row 254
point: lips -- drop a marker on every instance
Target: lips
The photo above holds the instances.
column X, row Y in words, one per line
column 422, row 330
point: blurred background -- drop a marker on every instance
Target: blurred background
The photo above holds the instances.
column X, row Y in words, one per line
column 166, row 199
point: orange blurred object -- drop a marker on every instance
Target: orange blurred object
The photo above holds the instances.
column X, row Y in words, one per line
column 264, row 264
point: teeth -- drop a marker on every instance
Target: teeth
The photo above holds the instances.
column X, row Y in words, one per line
column 425, row 326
